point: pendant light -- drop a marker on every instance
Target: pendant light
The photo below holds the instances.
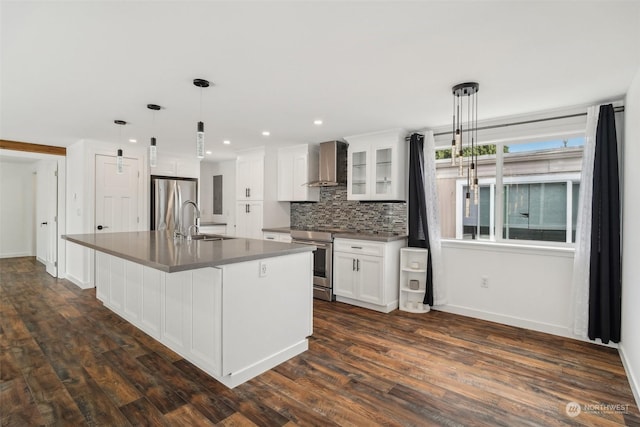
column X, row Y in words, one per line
column 465, row 97
column 119, row 157
column 201, row 83
column 153, row 149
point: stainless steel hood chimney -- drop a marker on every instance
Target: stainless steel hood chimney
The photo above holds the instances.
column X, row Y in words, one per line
column 333, row 164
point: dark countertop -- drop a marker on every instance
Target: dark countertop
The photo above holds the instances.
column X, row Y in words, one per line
column 346, row 234
column 157, row 249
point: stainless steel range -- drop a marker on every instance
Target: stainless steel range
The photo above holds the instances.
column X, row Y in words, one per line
column 322, row 259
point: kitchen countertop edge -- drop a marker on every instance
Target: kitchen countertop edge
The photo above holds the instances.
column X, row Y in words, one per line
column 291, row 249
column 375, row 237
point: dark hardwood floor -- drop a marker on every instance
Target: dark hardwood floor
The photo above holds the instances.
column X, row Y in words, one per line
column 66, row 360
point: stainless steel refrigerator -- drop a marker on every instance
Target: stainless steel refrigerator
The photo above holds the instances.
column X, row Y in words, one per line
column 167, row 196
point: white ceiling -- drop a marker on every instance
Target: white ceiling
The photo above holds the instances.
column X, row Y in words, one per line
column 68, row 69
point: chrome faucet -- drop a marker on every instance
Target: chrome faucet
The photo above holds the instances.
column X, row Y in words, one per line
column 187, row 233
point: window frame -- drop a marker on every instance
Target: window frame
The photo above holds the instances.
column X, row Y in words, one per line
column 570, row 179
column 497, row 197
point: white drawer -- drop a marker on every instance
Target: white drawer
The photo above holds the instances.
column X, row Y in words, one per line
column 213, row 229
column 277, row 237
column 358, row 247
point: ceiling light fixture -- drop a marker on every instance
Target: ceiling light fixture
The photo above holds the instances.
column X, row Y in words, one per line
column 119, row 157
column 153, row 149
column 133, row 141
column 201, row 83
column 317, row 122
column 209, row 152
column 465, row 96
column 226, row 142
column 266, row 133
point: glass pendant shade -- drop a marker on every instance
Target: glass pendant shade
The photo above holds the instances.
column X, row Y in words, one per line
column 153, row 153
column 200, row 141
column 119, row 162
column 467, row 205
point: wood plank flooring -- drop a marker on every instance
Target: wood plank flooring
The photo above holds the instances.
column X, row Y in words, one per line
column 66, row 360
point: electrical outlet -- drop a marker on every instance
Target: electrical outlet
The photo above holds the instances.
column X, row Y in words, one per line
column 484, row 282
column 263, row 269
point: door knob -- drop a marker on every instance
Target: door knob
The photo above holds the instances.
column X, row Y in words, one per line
column 43, row 223
column 100, row 227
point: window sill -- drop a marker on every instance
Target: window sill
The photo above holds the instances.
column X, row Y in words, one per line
column 487, row 245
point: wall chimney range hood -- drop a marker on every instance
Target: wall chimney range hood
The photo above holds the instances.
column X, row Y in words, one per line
column 333, row 164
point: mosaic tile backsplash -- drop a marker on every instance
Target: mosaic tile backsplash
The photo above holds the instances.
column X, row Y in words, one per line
column 335, row 211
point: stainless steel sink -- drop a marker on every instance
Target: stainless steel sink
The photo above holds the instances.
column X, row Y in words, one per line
column 209, row 237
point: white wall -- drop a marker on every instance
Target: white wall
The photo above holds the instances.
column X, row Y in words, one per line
column 630, row 340
column 78, row 208
column 227, row 169
column 527, row 287
column 17, row 209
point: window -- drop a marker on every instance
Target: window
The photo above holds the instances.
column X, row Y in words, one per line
column 540, row 181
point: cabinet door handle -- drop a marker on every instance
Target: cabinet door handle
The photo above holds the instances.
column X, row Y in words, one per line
column 356, row 247
column 353, row 266
column 248, row 192
column 358, row 265
column 248, row 208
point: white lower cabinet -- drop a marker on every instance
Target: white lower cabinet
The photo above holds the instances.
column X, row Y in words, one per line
column 233, row 331
column 366, row 273
column 213, row 229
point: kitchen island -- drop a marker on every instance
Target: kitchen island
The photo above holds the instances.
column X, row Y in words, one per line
column 235, row 308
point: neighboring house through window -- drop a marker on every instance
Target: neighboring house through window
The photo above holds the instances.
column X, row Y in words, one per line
column 540, row 180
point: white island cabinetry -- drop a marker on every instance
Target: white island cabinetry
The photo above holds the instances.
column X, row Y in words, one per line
column 366, row 273
column 233, row 321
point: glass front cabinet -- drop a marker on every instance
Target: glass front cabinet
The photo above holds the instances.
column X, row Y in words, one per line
column 377, row 166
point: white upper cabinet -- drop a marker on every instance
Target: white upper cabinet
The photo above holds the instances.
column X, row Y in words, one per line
column 250, row 175
column 297, row 167
column 378, row 166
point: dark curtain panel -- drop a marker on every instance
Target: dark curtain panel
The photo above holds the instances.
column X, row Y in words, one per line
column 418, row 227
column 605, row 287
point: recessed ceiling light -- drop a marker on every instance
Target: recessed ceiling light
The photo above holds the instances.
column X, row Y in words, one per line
column 209, row 152
column 266, row 133
column 317, row 122
column 226, row 142
column 133, row 141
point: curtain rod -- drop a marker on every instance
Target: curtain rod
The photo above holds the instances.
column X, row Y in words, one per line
column 525, row 122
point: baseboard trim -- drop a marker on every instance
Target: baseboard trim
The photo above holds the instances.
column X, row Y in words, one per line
column 79, row 283
column 548, row 328
column 16, row 255
column 381, row 308
column 633, row 380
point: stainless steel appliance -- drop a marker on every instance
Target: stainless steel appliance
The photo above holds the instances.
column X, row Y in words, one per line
column 332, row 167
column 167, row 196
column 322, row 260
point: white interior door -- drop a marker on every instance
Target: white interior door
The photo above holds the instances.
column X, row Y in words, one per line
column 116, row 195
column 47, row 215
